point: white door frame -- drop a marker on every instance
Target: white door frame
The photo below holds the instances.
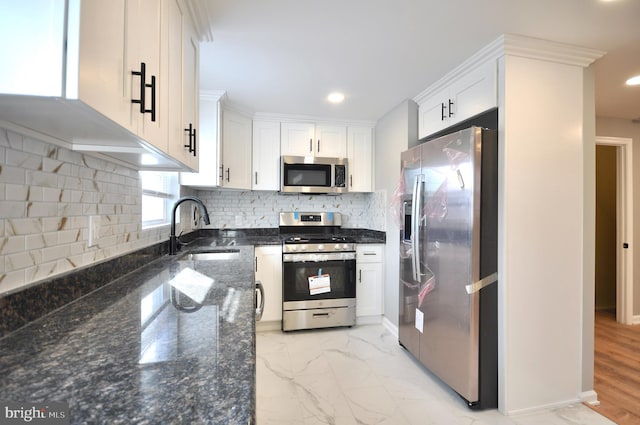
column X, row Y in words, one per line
column 624, row 226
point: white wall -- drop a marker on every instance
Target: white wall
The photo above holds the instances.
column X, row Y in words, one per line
column 47, row 194
column 616, row 127
column 394, row 133
column 541, row 225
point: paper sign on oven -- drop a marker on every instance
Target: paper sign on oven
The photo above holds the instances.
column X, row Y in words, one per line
column 319, row 284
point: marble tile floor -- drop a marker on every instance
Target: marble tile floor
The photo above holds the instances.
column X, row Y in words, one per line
column 361, row 376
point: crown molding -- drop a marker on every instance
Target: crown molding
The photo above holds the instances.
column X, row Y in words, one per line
column 516, row 45
column 291, row 118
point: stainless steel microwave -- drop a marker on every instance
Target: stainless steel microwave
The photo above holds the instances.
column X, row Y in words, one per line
column 308, row 174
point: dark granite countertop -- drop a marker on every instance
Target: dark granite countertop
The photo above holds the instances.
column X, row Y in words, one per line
column 135, row 350
column 138, row 351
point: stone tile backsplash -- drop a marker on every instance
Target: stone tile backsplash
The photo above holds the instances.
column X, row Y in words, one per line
column 229, row 209
column 47, row 194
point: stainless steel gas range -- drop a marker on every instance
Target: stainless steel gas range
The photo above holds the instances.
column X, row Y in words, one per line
column 318, row 272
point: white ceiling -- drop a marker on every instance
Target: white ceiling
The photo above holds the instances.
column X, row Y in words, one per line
column 285, row 56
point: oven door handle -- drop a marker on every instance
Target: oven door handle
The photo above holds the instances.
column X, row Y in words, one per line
column 318, row 258
column 259, row 309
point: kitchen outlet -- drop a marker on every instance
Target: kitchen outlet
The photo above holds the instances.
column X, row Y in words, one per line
column 94, row 230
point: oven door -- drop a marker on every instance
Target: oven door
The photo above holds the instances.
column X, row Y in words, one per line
column 299, row 273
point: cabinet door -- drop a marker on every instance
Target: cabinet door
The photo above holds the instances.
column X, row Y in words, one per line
column 172, row 67
column 297, row 139
column 209, row 172
column 32, row 42
column 433, row 113
column 143, row 45
column 369, row 285
column 369, row 290
column 331, row 141
column 190, row 86
column 360, row 158
column 268, row 265
column 236, row 150
column 103, row 81
column 474, row 92
column 266, row 155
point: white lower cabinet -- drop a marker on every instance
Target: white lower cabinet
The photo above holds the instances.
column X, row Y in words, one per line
column 369, row 272
column 268, row 270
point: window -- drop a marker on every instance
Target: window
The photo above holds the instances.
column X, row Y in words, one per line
column 160, row 189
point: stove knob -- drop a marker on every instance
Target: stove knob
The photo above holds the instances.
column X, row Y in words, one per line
column 337, row 247
column 294, row 248
column 320, row 247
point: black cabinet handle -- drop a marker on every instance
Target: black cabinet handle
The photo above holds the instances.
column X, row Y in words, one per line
column 142, row 101
column 221, row 171
column 192, row 139
column 256, row 178
column 310, row 145
column 195, row 142
column 228, row 174
column 318, row 145
column 143, row 84
column 190, row 132
column 152, row 86
column 450, row 108
column 360, row 277
column 442, row 114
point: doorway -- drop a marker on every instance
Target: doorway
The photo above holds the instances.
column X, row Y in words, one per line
column 614, row 256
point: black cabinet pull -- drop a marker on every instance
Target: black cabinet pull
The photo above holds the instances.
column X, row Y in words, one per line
column 318, row 145
column 360, row 277
column 310, row 145
column 450, row 108
column 152, row 86
column 142, row 101
column 195, row 142
column 221, row 171
column 442, row 115
column 228, row 174
column 192, row 139
column 256, row 178
column 190, row 132
column 143, row 78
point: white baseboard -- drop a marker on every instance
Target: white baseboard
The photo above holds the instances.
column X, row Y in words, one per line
column 368, row 320
column 543, row 407
column 393, row 329
column 590, row 397
column 635, row 320
column 273, row 325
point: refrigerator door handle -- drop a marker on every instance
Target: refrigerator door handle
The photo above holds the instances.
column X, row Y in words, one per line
column 476, row 286
column 415, row 226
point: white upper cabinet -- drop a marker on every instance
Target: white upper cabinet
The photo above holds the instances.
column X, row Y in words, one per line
column 266, row 155
column 360, row 158
column 309, row 139
column 468, row 95
column 181, row 67
column 77, row 78
column 236, row 150
column 208, row 144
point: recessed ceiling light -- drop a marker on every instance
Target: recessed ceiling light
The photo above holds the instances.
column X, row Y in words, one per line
column 335, row 97
column 634, row 81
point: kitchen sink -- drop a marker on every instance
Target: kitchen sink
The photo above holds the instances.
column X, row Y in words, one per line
column 211, row 255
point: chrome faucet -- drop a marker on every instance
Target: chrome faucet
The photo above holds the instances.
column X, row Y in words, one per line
column 173, row 239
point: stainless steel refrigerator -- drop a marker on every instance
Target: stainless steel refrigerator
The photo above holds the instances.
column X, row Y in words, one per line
column 448, row 261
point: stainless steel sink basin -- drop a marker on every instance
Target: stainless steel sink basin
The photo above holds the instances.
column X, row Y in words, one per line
column 212, row 255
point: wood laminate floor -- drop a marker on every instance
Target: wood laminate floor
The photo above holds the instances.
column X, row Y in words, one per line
column 617, row 369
